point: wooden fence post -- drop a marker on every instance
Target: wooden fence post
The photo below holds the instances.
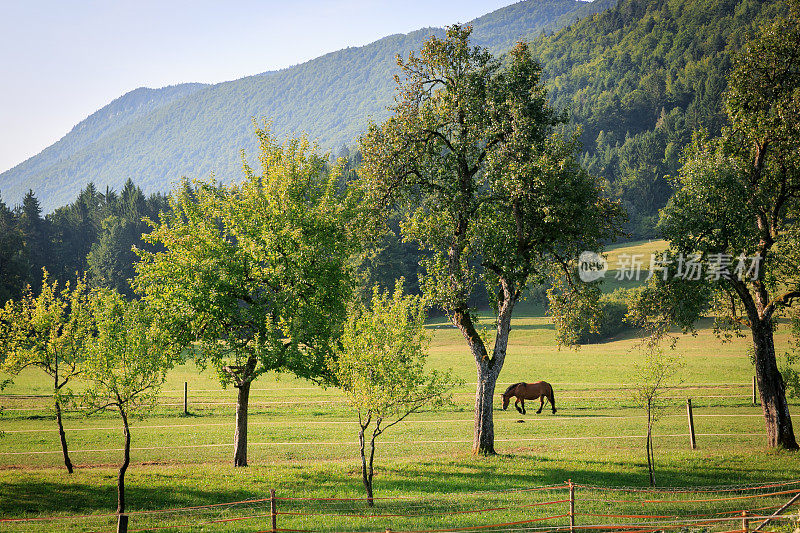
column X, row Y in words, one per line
column 692, row 440
column 185, row 398
column 571, row 506
column 745, row 522
column 122, row 523
column 273, row 510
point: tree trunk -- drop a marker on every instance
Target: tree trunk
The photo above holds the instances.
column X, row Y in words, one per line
column 649, row 449
column 366, row 467
column 126, row 461
column 488, row 369
column 773, row 392
column 240, row 437
column 483, row 439
column 63, row 438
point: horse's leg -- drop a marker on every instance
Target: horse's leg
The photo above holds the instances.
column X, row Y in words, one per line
column 541, row 404
column 516, row 406
column 524, row 412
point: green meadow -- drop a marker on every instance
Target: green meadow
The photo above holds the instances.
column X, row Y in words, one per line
column 303, row 442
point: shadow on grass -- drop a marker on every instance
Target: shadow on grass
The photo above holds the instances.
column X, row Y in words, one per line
column 509, row 471
column 41, row 497
column 49, row 493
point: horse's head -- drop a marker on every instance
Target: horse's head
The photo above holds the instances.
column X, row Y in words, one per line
column 506, row 399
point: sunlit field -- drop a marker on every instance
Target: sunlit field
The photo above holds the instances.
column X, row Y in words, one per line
column 303, row 442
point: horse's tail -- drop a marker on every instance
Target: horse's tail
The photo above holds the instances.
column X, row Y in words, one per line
column 552, row 397
column 512, row 386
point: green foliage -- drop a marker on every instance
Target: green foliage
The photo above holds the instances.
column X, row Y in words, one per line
column 737, row 197
column 126, row 359
column 95, row 233
column 36, row 235
column 737, row 193
column 574, row 309
column 48, row 331
column 471, row 153
column 663, row 304
column 613, row 308
column 121, row 225
column 13, row 258
column 381, row 359
column 380, row 365
column 488, row 189
column 257, row 273
column 639, row 79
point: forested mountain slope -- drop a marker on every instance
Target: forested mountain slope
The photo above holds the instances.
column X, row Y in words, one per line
column 118, row 114
column 639, row 79
column 202, row 131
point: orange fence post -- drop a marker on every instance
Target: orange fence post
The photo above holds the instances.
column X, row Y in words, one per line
column 745, row 524
column 571, row 506
column 273, row 510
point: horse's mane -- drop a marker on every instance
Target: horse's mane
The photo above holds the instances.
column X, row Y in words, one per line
column 512, row 386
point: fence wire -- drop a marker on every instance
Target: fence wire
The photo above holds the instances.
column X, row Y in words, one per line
column 544, row 509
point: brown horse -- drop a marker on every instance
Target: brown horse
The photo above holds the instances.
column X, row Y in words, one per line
column 529, row 391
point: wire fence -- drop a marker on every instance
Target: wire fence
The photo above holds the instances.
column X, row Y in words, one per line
column 212, row 399
column 567, row 507
column 31, row 442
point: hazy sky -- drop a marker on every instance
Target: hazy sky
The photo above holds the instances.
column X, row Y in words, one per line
column 61, row 60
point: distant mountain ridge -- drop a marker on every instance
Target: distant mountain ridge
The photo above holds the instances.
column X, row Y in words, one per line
column 117, row 114
column 156, row 136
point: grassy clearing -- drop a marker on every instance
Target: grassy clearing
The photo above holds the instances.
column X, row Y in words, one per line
column 303, row 443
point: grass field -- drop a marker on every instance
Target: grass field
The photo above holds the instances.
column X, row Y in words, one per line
column 303, row 443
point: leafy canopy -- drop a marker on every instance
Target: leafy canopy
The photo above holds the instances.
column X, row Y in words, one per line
column 127, row 358
column 256, row 273
column 494, row 192
column 737, row 196
column 49, row 331
column 381, row 359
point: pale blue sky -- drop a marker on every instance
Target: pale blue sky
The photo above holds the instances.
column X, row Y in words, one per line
column 61, row 60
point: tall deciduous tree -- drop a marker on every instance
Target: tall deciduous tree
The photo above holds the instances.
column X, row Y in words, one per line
column 49, row 332
column 493, row 193
column 126, row 362
column 381, row 368
column 257, row 273
column 739, row 196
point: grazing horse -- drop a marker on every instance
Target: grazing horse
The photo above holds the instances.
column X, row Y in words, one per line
column 529, row 391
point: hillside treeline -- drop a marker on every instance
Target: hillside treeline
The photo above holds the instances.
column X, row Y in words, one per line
column 93, row 234
column 638, row 79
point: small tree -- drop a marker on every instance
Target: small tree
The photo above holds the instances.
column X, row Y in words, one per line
column 256, row 274
column 126, row 363
column 380, row 367
column 49, row 332
column 651, row 377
